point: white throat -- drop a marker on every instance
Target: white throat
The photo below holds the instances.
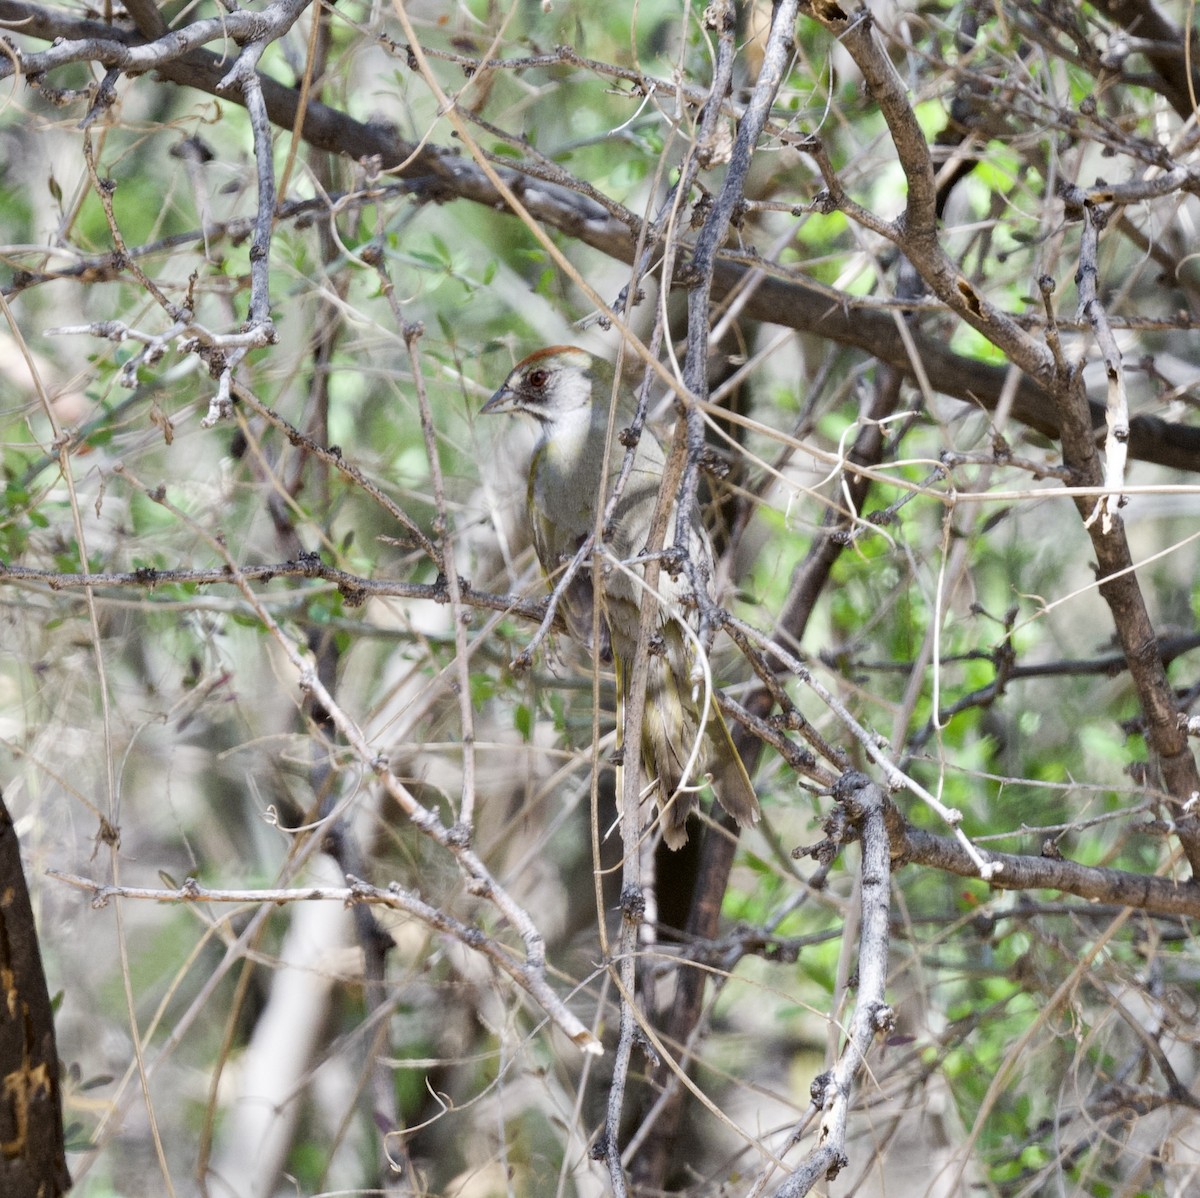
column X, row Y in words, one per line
column 572, row 431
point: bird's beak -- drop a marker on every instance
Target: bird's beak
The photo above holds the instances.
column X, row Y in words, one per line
column 503, row 401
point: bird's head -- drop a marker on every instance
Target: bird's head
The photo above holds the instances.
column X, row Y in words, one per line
column 551, row 384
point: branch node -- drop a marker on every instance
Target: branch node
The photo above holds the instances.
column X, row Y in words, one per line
column 633, row 904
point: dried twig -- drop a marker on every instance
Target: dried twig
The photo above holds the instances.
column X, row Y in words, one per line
column 533, row 970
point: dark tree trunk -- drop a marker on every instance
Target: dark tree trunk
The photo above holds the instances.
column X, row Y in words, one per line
column 33, row 1162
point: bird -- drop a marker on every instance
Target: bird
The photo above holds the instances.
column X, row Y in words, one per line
column 568, row 392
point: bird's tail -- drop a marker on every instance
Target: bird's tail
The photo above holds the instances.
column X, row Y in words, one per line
column 731, row 784
column 671, row 725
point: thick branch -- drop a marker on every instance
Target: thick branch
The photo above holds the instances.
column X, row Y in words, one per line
column 864, row 803
column 1154, row 895
column 794, row 304
column 1119, row 585
column 1167, row 53
column 1075, row 418
column 130, row 54
column 33, row 1162
column 917, row 234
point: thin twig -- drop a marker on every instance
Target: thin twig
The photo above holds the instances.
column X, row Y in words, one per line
column 1116, row 442
column 533, row 970
column 875, row 745
column 412, row 333
column 776, row 56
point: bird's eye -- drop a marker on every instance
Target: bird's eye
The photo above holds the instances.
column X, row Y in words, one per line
column 538, row 378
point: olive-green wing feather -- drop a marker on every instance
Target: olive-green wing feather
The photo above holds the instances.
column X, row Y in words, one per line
column 671, row 725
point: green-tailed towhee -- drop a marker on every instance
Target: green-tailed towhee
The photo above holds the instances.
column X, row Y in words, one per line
column 568, row 392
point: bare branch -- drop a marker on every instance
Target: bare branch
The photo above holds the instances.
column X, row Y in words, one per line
column 443, row 173
column 1143, row 892
column 872, row 1016
column 483, row 883
column 530, row 979
column 1118, row 402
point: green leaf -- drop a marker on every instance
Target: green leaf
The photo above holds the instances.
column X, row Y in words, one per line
column 523, row 721
column 483, row 688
